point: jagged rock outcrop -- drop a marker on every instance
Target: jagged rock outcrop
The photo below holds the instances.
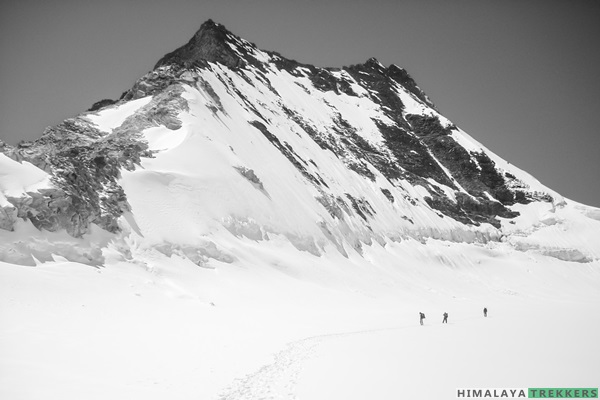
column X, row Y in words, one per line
column 85, row 164
column 210, row 43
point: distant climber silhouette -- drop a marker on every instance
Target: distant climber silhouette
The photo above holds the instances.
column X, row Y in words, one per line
column 445, row 320
column 421, row 317
column 485, row 312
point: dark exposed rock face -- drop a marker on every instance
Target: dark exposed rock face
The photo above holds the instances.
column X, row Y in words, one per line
column 101, row 104
column 208, row 44
column 422, row 149
column 84, row 166
column 401, row 76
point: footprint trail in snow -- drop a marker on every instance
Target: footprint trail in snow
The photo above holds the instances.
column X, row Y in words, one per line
column 277, row 380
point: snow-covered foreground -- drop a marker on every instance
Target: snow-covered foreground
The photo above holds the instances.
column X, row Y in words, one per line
column 526, row 345
column 284, row 324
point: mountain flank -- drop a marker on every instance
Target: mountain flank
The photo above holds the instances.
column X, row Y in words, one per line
column 365, row 145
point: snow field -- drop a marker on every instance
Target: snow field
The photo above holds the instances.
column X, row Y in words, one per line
column 524, row 345
column 283, row 324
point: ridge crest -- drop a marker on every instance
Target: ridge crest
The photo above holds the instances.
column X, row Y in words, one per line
column 212, row 42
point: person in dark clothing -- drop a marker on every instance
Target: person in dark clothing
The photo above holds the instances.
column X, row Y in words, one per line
column 421, row 317
column 485, row 312
column 445, row 320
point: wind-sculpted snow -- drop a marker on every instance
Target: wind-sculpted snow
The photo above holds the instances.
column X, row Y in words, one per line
column 224, row 140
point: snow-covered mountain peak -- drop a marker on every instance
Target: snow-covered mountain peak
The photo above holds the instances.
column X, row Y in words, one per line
column 223, row 142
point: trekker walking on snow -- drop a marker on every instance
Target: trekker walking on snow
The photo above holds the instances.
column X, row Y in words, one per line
column 485, row 312
column 421, row 317
column 445, row 320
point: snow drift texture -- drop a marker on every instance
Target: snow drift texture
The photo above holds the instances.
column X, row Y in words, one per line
column 223, row 142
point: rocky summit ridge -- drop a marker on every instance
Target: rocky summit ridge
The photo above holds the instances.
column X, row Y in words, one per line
column 407, row 163
column 211, row 43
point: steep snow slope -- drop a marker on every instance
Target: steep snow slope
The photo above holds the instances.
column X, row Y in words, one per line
column 225, row 169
